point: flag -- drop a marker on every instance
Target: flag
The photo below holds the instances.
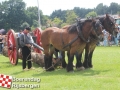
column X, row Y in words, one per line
column 5, row 81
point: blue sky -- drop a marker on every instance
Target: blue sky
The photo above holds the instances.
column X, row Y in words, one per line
column 48, row 6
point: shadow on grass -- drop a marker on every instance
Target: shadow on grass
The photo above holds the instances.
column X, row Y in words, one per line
column 5, row 62
column 87, row 72
column 19, row 72
column 16, row 73
column 8, row 64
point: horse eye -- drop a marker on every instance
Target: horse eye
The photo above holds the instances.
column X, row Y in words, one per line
column 111, row 23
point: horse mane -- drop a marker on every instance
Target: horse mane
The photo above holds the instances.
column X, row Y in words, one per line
column 72, row 28
column 65, row 27
column 101, row 18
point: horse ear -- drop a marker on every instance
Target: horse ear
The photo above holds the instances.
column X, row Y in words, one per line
column 78, row 20
column 107, row 16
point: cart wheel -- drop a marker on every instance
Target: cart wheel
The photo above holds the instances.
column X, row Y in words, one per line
column 37, row 34
column 12, row 47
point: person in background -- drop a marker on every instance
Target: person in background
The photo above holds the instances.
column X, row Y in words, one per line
column 105, row 40
column 1, row 42
column 109, row 39
column 118, row 35
column 20, row 33
column 26, row 44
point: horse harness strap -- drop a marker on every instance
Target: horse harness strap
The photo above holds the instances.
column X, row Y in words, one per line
column 68, row 43
column 81, row 35
column 62, row 38
column 102, row 22
column 71, row 42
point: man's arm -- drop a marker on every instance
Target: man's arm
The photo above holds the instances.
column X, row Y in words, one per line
column 22, row 41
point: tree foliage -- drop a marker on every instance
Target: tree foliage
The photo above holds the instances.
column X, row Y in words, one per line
column 57, row 22
column 91, row 14
column 71, row 17
column 15, row 15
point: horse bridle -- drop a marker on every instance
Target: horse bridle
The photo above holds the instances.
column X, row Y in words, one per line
column 109, row 24
column 97, row 24
column 95, row 29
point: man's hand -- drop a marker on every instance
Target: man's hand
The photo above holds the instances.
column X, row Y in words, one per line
column 28, row 45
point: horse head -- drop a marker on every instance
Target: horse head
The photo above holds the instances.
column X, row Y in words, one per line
column 108, row 23
column 97, row 29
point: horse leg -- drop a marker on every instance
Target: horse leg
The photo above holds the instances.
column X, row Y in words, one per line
column 63, row 59
column 50, row 67
column 85, row 63
column 49, row 63
column 46, row 59
column 90, row 60
column 64, row 64
column 70, row 60
column 46, row 56
column 70, row 63
column 79, row 65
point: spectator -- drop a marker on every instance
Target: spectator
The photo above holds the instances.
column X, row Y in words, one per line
column 1, row 42
column 118, row 35
column 105, row 40
column 20, row 33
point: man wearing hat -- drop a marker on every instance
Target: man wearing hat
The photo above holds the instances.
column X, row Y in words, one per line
column 26, row 43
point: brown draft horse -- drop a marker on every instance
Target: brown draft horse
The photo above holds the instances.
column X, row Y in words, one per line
column 90, row 45
column 61, row 39
column 108, row 24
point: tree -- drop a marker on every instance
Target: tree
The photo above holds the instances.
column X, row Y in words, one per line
column 113, row 8
column 57, row 22
column 58, row 14
column 91, row 14
column 14, row 13
column 70, row 17
column 81, row 12
column 25, row 24
column 31, row 15
column 101, row 9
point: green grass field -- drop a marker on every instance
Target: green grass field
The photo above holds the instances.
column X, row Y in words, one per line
column 105, row 74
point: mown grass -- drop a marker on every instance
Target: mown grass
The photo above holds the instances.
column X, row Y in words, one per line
column 105, row 74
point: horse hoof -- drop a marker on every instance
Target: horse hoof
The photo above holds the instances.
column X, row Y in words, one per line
column 90, row 66
column 80, row 68
column 50, row 69
column 71, row 71
column 64, row 65
column 85, row 66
